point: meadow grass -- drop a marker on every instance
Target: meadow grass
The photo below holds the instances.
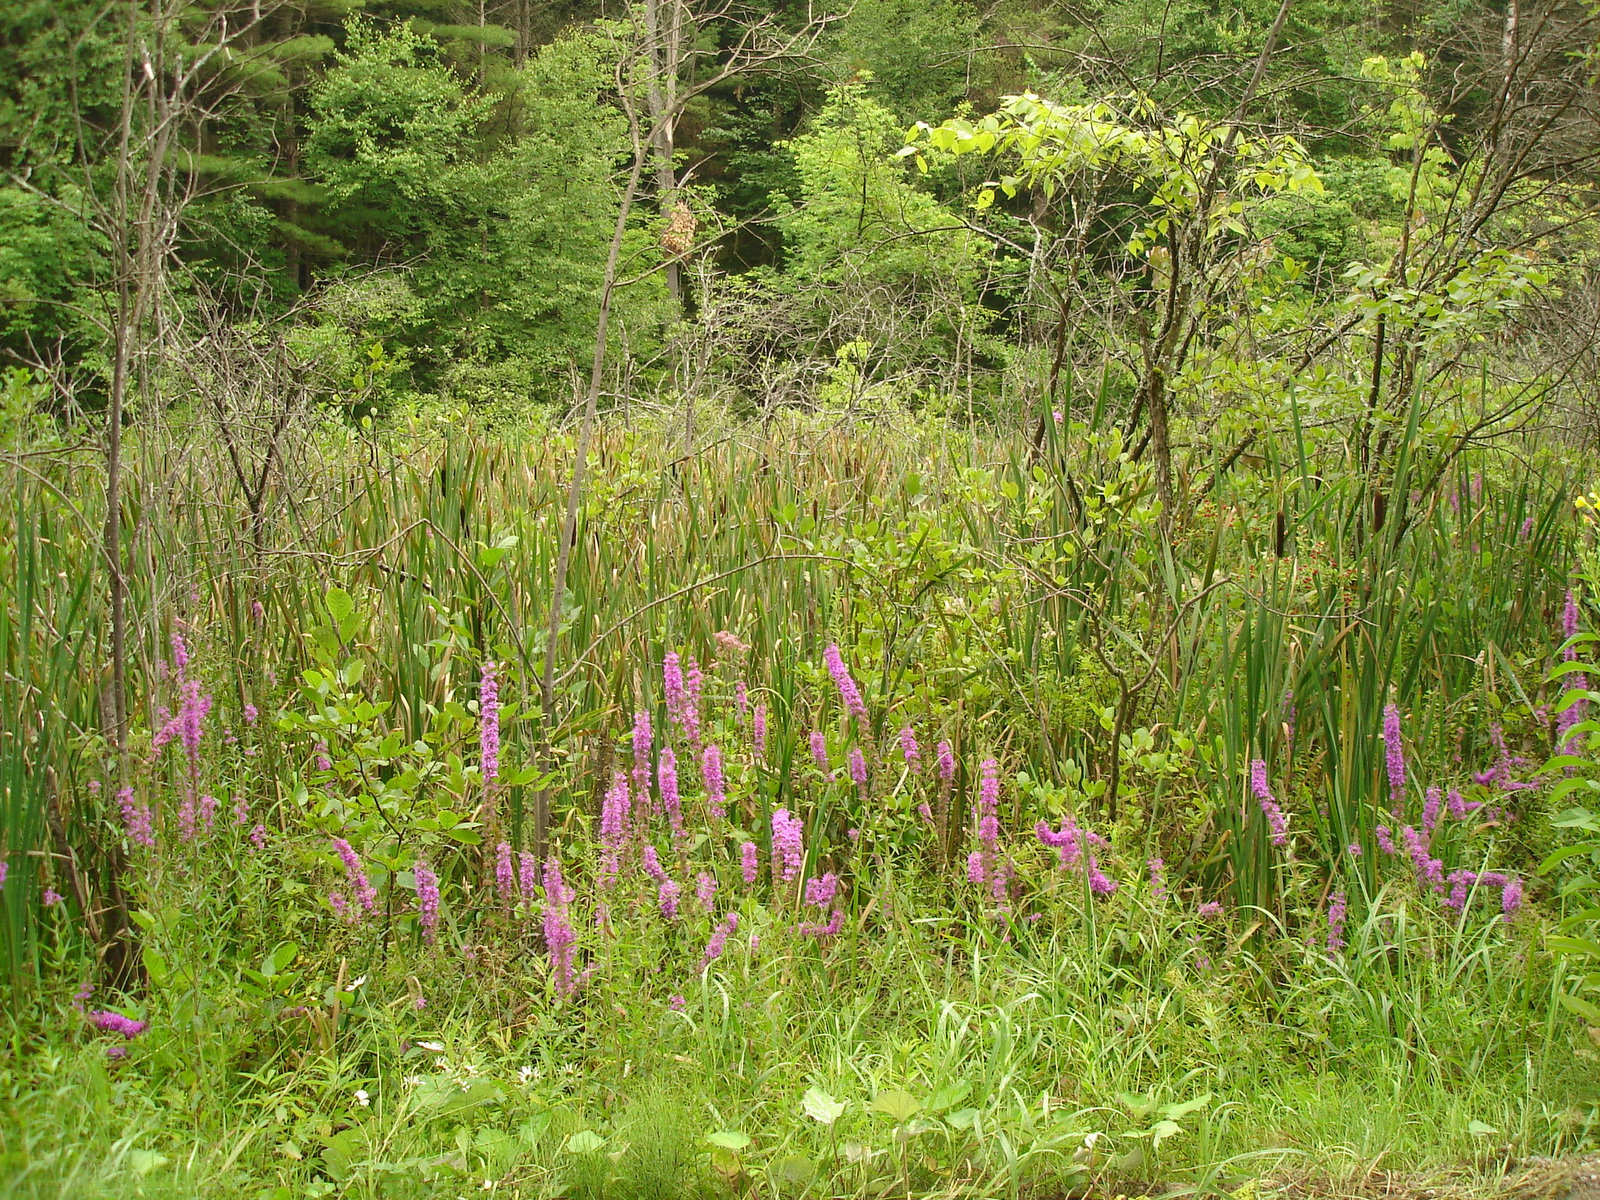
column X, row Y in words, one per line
column 966, row 1014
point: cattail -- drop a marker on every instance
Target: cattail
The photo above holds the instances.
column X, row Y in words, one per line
column 427, row 899
column 849, row 693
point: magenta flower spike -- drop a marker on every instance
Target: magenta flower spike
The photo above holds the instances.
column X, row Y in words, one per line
column 1277, row 823
column 1337, row 908
column 427, row 900
column 489, row 726
column 819, row 753
column 1394, row 752
column 559, row 938
column 849, row 693
column 858, row 768
column 505, row 876
column 643, row 740
column 758, row 734
column 667, row 782
column 719, row 939
column 366, row 895
column 787, row 845
column 716, row 783
column 909, row 748
column 137, row 820
column 947, row 764
column 613, row 829
column 705, row 889
column 749, row 862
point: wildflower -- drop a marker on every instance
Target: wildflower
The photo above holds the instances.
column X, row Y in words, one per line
column 251, row 714
column 186, row 819
column 729, row 643
column 180, row 653
column 559, row 938
column 1511, row 897
column 527, row 874
column 716, row 783
column 136, row 819
column 1459, row 807
column 651, row 862
column 208, row 810
column 676, row 693
column 341, row 907
column 719, row 939
column 834, row 924
column 613, row 829
column 643, row 738
column 505, row 878
column 947, row 763
column 1277, row 823
column 908, row 747
column 83, row 993
column 1073, row 844
column 116, row 1052
column 1336, row 918
column 420, row 1002
column 1158, row 883
column 1574, row 713
column 1385, row 839
column 787, row 840
column 849, row 693
column 1353, row 849
column 981, row 863
column 1526, row 530
column 1430, row 811
column 1430, row 871
column 1057, row 416
column 676, row 1004
column 241, row 810
column 1394, row 752
column 667, row 782
column 258, row 836
column 749, row 862
column 362, row 1098
column 1209, row 910
column 51, row 897
column 858, row 767
column 820, row 891
column 489, row 726
column 741, row 699
column 366, row 895
column 427, row 899
column 258, row 611
column 819, row 753
column 925, row 811
column 324, row 763
column 705, row 889
column 3, row 872
column 114, row 1022
column 758, row 734
column 667, row 897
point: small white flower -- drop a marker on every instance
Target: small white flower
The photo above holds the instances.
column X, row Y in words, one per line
column 436, row 1047
column 524, row 1073
column 355, row 983
column 362, row 1098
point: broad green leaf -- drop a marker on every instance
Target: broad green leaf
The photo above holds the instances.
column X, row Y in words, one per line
column 896, row 1103
column 729, row 1139
column 820, row 1106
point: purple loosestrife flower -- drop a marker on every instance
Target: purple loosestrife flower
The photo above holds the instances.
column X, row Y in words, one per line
column 1460, row 807
column 4, row 871
column 1430, row 871
column 51, row 897
column 705, row 889
column 1385, row 839
column 741, row 699
column 1277, row 823
column 251, row 714
column 527, row 875
column 667, row 897
column 947, row 764
column 180, row 653
column 1158, row 882
column 241, row 810
column 694, row 683
column 758, row 731
column 819, row 753
column 489, row 726
column 821, row 890
column 324, row 763
column 136, row 819
column 427, row 900
column 366, row 895
column 1511, row 897
column 258, row 837
column 716, row 782
column 680, row 704
column 643, row 739
column 1430, row 811
column 114, row 1022
column 1210, row 910
column 849, row 693
column 667, row 782
column 1577, row 711
column 858, row 768
column 186, row 819
column 749, row 863
column 340, row 906
column 1337, row 909
column 613, row 829
column 1394, row 752
column 559, row 938
column 787, row 845
column 909, row 748
column 208, row 810
column 719, row 939
column 651, row 862
column 834, row 924
column 505, row 875
column 1072, row 844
